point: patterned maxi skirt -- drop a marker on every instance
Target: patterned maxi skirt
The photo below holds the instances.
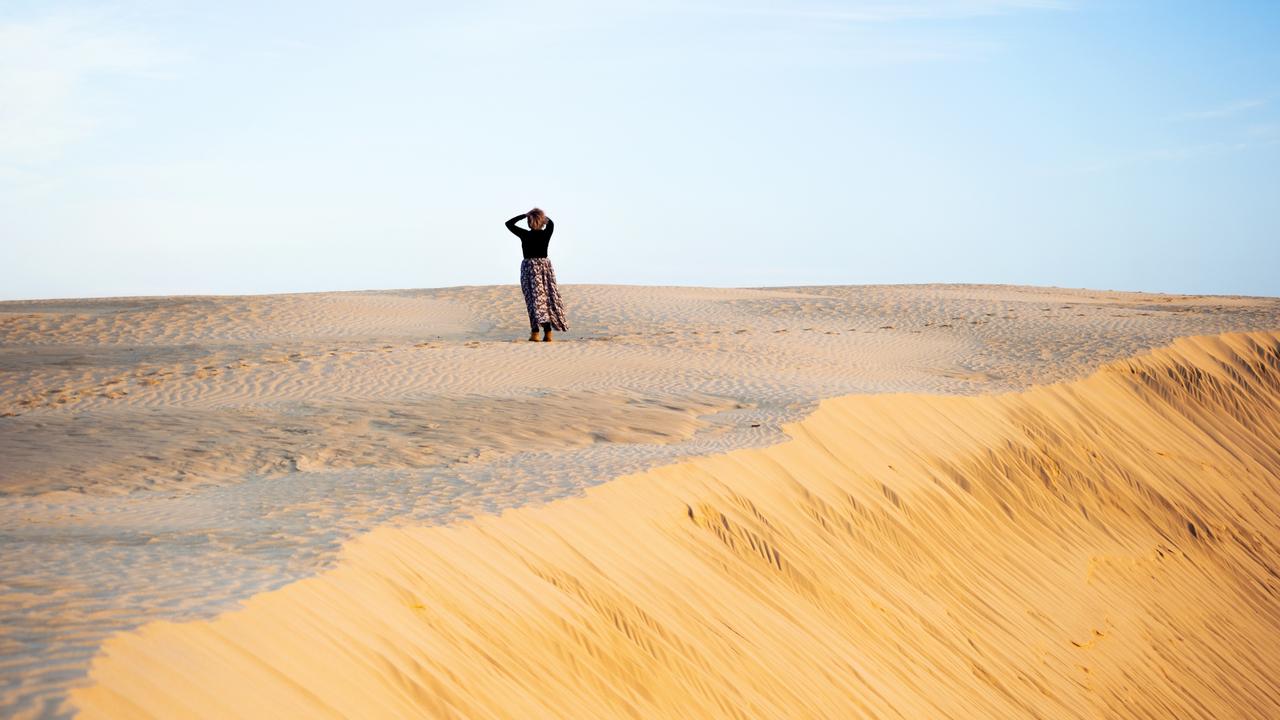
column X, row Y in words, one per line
column 541, row 296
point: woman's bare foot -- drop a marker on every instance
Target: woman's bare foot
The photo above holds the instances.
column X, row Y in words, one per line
column 533, row 336
column 546, row 336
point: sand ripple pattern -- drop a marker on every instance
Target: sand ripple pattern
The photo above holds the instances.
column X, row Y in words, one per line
column 165, row 458
column 1100, row 548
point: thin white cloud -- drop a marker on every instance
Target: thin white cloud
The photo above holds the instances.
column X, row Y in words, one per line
column 48, row 66
column 882, row 11
column 1264, row 132
column 1176, row 154
column 1224, row 111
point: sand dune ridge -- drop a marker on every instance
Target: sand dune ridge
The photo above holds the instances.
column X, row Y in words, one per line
column 1103, row 547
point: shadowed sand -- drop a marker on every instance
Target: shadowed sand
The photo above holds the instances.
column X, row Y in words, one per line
column 167, row 458
column 1103, row 547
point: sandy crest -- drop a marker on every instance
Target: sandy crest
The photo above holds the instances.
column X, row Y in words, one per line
column 1098, row 548
column 168, row 457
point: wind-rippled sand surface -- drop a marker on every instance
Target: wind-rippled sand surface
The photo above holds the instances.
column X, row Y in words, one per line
column 1100, row 548
column 165, row 458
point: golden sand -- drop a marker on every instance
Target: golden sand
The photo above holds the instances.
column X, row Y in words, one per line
column 1105, row 547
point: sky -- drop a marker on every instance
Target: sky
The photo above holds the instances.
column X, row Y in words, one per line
column 153, row 147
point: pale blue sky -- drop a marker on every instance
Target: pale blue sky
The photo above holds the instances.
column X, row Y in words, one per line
column 157, row 147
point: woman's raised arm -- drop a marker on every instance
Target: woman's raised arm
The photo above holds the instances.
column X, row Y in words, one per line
column 511, row 225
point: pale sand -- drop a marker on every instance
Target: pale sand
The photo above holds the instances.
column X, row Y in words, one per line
column 168, row 457
column 1100, row 548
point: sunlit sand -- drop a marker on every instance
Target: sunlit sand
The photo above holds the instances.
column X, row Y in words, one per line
column 1009, row 502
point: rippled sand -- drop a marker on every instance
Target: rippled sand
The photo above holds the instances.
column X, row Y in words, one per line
column 1100, row 548
column 165, row 458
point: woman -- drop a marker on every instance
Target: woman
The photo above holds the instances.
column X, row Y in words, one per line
column 537, row 277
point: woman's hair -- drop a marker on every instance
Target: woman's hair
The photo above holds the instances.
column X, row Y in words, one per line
column 537, row 219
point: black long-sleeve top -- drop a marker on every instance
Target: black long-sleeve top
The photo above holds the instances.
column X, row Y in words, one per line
column 533, row 242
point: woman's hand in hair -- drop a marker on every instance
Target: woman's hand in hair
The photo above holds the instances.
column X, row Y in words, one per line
column 511, row 224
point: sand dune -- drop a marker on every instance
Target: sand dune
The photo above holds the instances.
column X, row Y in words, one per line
column 166, row 458
column 1104, row 547
column 263, row 385
column 141, row 450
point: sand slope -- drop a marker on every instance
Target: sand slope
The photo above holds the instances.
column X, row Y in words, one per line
column 167, row 457
column 1103, row 547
